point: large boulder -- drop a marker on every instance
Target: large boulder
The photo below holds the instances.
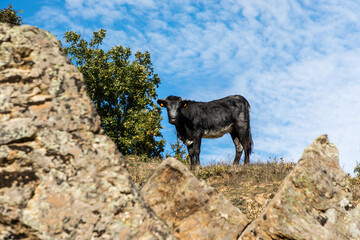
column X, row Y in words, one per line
column 192, row 209
column 314, row 201
column 60, row 177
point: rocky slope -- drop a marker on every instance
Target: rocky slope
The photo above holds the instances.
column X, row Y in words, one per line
column 190, row 207
column 314, row 201
column 60, row 177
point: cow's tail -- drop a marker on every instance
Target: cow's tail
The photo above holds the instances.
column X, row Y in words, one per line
column 249, row 140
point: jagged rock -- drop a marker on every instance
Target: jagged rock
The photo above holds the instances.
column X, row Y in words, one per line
column 314, row 201
column 192, row 209
column 60, row 177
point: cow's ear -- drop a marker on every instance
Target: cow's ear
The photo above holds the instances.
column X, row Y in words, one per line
column 161, row 102
column 184, row 103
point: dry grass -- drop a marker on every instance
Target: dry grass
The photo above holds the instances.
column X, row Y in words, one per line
column 355, row 189
column 139, row 170
column 248, row 187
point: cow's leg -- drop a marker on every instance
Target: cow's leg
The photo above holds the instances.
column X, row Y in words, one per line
column 247, row 156
column 194, row 152
column 247, row 147
column 191, row 154
column 241, row 131
column 197, row 145
column 238, row 147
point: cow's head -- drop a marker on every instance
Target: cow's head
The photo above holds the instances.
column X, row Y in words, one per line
column 173, row 105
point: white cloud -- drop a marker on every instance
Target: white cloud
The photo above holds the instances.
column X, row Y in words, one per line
column 51, row 18
column 296, row 104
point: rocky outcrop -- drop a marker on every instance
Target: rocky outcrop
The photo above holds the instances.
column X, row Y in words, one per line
column 60, row 177
column 314, row 201
column 192, row 209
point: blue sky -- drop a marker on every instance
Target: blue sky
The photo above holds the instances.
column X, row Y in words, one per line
column 297, row 62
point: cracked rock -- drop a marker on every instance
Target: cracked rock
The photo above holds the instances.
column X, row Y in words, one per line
column 313, row 202
column 189, row 206
column 60, row 177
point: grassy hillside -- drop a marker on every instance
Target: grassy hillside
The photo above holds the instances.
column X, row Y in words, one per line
column 247, row 187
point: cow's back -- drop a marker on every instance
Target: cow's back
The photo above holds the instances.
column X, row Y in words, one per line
column 216, row 117
column 235, row 106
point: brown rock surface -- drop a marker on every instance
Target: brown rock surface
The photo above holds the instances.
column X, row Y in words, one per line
column 314, row 201
column 60, row 177
column 192, row 209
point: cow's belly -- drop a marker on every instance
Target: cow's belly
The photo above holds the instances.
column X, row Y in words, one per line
column 218, row 133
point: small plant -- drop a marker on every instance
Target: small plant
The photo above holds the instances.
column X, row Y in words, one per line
column 180, row 152
column 9, row 15
column 213, row 171
column 357, row 170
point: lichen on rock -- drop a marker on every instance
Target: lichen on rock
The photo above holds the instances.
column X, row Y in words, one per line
column 313, row 202
column 189, row 206
column 60, row 177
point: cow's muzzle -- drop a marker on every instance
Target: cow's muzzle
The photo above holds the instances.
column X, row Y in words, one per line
column 172, row 120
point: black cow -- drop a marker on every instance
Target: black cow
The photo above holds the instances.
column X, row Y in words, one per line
column 196, row 120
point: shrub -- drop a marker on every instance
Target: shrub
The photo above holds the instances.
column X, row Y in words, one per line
column 9, row 15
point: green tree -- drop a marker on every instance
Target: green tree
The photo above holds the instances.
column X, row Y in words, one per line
column 9, row 15
column 123, row 92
